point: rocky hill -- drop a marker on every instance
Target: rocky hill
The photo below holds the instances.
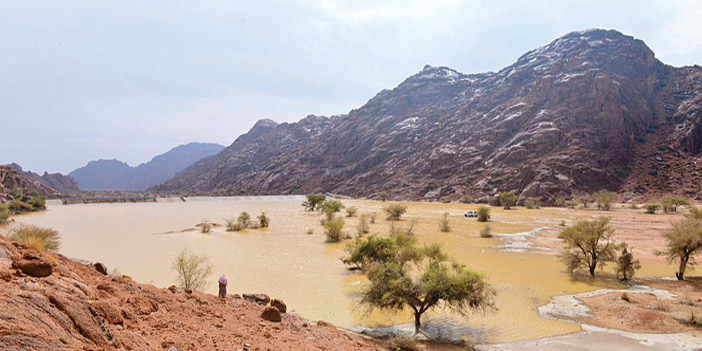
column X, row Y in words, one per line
column 10, row 178
column 49, row 302
column 117, row 175
column 57, row 181
column 591, row 110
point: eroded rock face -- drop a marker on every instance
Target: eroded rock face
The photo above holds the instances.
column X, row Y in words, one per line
column 575, row 115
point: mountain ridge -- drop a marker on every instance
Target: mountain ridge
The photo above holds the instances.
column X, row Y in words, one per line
column 568, row 117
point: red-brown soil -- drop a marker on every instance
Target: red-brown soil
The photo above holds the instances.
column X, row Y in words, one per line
column 78, row 308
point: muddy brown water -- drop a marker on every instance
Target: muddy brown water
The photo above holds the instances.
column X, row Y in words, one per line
column 141, row 240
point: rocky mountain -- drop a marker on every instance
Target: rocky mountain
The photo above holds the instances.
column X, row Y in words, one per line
column 57, row 181
column 591, row 110
column 10, row 178
column 117, row 175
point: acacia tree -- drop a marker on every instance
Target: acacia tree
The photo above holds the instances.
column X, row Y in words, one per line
column 684, row 241
column 193, row 270
column 508, row 199
column 588, row 243
column 313, row 200
column 605, row 199
column 330, row 207
column 427, row 280
column 395, row 211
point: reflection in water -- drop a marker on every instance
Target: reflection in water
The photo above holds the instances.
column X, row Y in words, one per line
column 285, row 262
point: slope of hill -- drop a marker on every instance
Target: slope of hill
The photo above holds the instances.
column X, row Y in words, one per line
column 585, row 112
column 117, row 175
column 10, row 178
column 57, row 181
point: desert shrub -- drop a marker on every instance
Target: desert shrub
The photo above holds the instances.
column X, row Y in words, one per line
column 585, row 200
column 351, row 211
column 694, row 213
column 313, row 201
column 330, row 207
column 36, row 237
column 232, row 225
column 605, row 199
column 486, row 232
column 483, row 214
column 571, row 204
column 383, row 196
column 563, row 223
column 401, row 343
column 17, row 193
column 671, row 203
column 193, row 270
column 263, row 220
column 651, row 208
column 508, row 199
column 4, row 213
column 333, row 230
column 559, row 201
column 17, row 207
column 395, row 211
column 588, row 244
column 466, row 199
column 244, row 220
column 373, row 216
column 626, row 265
column 444, row 223
column 532, row 204
column 205, row 226
column 363, row 224
column 396, row 229
column 38, row 203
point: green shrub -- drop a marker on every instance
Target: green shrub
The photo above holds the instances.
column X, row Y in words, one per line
column 362, row 252
column 36, row 237
column 466, row 199
column 383, row 196
column 330, row 207
column 671, row 203
column 17, row 207
column 652, row 208
column 205, row 226
column 559, row 201
column 17, row 193
column 4, row 213
column 192, row 270
column 605, row 199
column 694, row 212
column 232, row 225
column 351, row 211
column 333, row 230
column 483, row 214
column 585, row 200
column 372, row 217
column 244, row 220
column 444, row 223
column 508, row 199
column 486, row 232
column 626, row 264
column 363, row 226
column 38, row 203
column 395, row 211
column 313, row 201
column 532, row 204
column 263, row 220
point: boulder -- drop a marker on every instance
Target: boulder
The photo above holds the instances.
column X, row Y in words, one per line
column 100, row 268
column 272, row 314
column 280, row 305
column 260, row 298
column 34, row 266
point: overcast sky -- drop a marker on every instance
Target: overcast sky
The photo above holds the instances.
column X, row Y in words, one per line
column 83, row 80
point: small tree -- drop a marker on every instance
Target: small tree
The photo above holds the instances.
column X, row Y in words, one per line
column 232, row 225
column 38, row 203
column 373, row 249
column 684, row 241
column 193, row 270
column 508, row 199
column 425, row 281
column 626, row 265
column 37, row 238
column 395, row 211
column 205, row 226
column 483, row 214
column 588, row 243
column 330, row 207
column 244, row 220
column 486, row 232
column 585, row 200
column 351, row 211
column 363, row 224
column 605, row 199
column 263, row 220
column 444, row 223
column 313, row 200
column 651, row 208
column 383, row 196
column 671, row 203
column 4, row 213
column 466, row 199
column 333, row 230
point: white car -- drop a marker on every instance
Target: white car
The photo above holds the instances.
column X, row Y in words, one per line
column 471, row 214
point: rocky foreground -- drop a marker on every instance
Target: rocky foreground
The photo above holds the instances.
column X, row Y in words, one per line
column 49, row 302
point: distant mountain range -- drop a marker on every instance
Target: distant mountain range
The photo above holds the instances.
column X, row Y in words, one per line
column 117, row 175
column 591, row 110
column 57, row 181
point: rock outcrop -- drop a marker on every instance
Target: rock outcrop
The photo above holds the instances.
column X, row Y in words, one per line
column 57, row 181
column 10, row 179
column 580, row 114
column 75, row 307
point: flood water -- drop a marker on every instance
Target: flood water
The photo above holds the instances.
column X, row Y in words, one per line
column 141, row 240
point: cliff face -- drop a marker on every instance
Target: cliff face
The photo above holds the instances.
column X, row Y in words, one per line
column 10, row 178
column 117, row 175
column 577, row 115
column 49, row 302
column 57, row 181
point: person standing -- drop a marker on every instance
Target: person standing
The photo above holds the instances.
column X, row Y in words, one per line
column 223, row 286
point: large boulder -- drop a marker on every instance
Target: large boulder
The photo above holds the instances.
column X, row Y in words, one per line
column 272, row 314
column 100, row 268
column 260, row 298
column 280, row 305
column 34, row 266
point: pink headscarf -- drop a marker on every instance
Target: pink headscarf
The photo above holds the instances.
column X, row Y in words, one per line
column 223, row 279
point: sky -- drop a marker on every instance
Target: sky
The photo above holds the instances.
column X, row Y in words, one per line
column 84, row 80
